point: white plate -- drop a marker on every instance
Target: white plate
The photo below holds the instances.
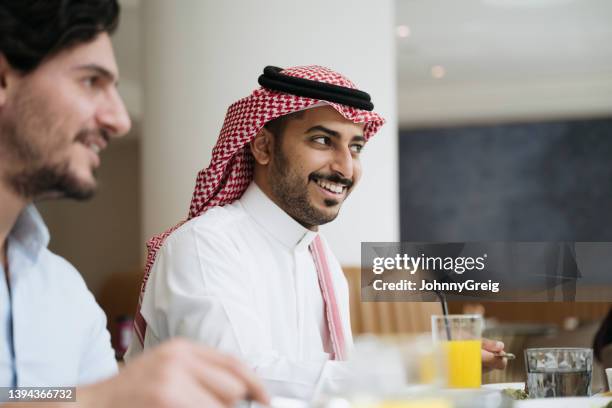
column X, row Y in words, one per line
column 503, row 386
column 569, row 402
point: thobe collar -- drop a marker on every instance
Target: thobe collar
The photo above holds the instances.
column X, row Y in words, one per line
column 275, row 220
column 30, row 233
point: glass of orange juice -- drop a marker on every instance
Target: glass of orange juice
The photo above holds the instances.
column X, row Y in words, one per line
column 461, row 339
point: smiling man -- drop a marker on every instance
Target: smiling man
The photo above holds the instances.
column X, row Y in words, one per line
column 310, row 171
column 249, row 273
column 59, row 108
column 57, row 111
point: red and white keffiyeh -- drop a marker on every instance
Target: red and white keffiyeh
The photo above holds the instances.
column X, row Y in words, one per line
column 231, row 169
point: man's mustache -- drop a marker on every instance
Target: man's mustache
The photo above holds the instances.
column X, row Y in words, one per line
column 85, row 133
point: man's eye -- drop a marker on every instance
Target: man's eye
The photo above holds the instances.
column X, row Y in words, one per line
column 91, row 81
column 324, row 140
column 357, row 148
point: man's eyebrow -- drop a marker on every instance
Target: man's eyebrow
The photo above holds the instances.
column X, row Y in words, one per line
column 320, row 128
column 100, row 70
column 333, row 133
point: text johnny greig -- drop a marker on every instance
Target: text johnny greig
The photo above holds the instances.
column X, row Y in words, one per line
column 411, row 264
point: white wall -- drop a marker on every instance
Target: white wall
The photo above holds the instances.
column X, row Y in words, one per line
column 200, row 56
column 435, row 103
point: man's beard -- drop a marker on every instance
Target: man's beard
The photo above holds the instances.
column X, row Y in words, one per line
column 292, row 194
column 49, row 182
column 31, row 177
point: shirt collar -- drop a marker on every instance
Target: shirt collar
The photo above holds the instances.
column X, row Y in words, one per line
column 274, row 219
column 30, row 232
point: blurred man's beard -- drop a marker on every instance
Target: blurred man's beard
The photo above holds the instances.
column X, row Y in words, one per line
column 292, row 194
column 49, row 182
column 32, row 178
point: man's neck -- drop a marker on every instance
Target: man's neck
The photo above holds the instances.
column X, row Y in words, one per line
column 12, row 205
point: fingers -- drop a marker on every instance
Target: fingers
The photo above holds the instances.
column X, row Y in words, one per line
column 493, row 346
column 226, row 377
column 492, row 362
column 221, row 383
column 180, row 374
column 196, row 394
column 252, row 386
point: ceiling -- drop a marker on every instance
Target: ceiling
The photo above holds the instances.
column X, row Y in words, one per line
column 492, row 40
column 516, row 51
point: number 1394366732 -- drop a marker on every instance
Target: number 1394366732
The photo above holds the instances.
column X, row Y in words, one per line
column 33, row 394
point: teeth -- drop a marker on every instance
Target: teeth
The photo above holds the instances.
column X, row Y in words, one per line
column 334, row 188
column 95, row 148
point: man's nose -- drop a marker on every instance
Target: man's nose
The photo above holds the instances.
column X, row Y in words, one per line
column 113, row 115
column 343, row 162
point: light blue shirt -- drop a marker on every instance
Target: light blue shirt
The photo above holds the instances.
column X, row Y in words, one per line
column 58, row 334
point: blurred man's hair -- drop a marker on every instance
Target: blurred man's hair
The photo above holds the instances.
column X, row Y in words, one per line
column 34, row 30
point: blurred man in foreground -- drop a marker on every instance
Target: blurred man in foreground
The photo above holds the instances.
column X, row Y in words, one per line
column 59, row 108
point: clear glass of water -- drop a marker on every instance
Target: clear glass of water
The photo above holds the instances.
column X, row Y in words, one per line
column 559, row 372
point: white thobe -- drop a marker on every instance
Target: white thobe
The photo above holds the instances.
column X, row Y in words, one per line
column 241, row 278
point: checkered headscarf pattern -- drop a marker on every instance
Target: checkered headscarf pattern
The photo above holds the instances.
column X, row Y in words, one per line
column 231, row 169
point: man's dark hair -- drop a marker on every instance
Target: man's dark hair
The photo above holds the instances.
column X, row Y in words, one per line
column 277, row 126
column 33, row 30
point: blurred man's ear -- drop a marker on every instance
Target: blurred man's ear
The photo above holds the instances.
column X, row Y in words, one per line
column 4, row 68
column 261, row 146
column 6, row 72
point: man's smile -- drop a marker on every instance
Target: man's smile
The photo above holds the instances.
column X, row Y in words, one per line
column 335, row 189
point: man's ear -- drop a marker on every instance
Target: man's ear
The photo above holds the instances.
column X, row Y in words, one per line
column 262, row 145
column 5, row 68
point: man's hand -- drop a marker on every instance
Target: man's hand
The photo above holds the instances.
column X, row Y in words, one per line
column 176, row 374
column 489, row 360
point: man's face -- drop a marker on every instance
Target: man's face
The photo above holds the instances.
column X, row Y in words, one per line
column 55, row 120
column 316, row 165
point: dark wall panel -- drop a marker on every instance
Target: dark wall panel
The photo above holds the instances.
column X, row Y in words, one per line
column 515, row 182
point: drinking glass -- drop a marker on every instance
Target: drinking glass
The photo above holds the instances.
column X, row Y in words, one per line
column 461, row 339
column 559, row 372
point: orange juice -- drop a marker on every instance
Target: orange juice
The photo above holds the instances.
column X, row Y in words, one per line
column 464, row 363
